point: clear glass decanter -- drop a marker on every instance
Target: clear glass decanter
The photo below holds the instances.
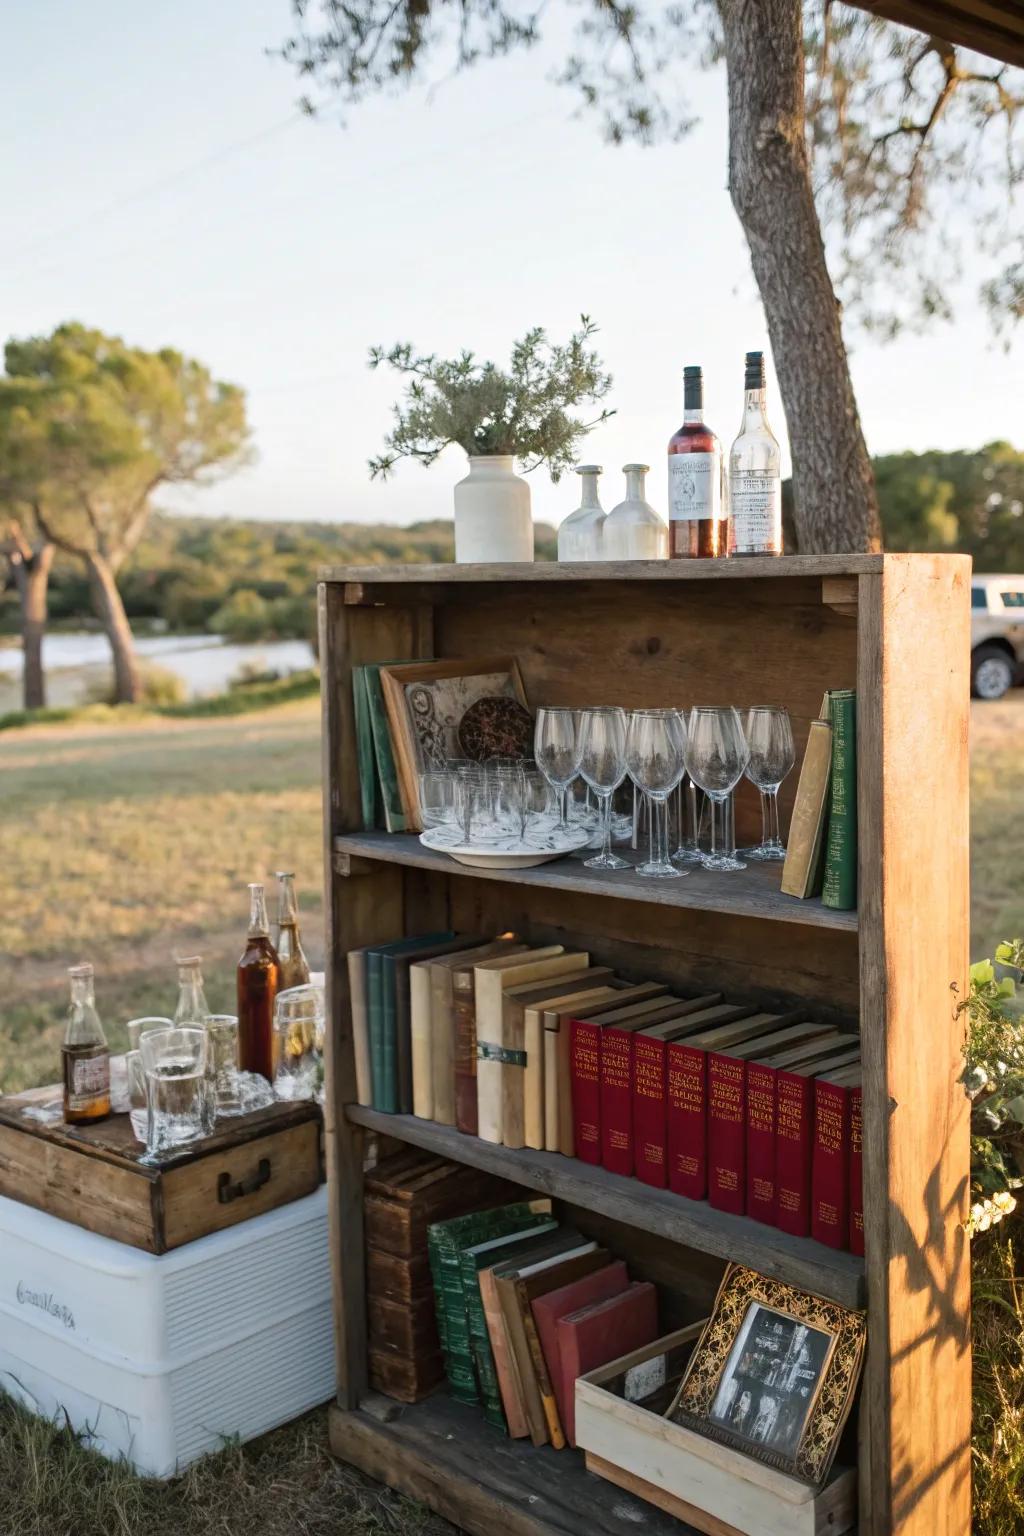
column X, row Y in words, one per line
column 579, row 536
column 633, row 530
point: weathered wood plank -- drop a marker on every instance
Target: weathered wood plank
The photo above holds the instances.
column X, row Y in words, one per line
column 447, row 1456
column 543, row 571
column 913, row 814
column 694, row 1224
column 753, row 892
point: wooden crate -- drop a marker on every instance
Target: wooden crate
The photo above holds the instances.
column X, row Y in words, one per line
column 714, row 1488
column 91, row 1174
column 896, row 628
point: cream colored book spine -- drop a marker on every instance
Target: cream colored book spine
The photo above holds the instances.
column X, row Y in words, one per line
column 442, row 1044
column 360, row 1025
column 421, row 1035
column 491, row 980
column 551, row 1138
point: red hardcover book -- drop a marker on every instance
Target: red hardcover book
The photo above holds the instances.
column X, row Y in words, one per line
column 830, row 1157
column 727, row 1104
column 856, row 1171
column 761, row 1076
column 546, row 1310
column 585, row 1060
column 603, row 1332
column 794, row 1125
column 617, row 1076
column 686, row 1091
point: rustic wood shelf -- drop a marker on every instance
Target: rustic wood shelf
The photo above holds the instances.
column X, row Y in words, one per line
column 753, row 892
column 897, row 629
column 694, row 1223
column 445, row 1453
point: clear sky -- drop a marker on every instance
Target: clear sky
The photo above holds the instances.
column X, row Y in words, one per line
column 158, row 183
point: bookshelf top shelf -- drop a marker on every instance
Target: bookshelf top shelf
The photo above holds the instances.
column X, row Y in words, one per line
column 798, row 1261
column 548, row 571
column 753, row 892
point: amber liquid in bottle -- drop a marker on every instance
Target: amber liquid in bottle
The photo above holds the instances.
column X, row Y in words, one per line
column 292, row 963
column 696, row 527
column 258, row 979
column 85, row 1057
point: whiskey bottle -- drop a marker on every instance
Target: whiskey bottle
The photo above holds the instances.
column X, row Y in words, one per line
column 695, row 526
column 294, row 967
column 755, row 474
column 258, row 983
column 85, row 1057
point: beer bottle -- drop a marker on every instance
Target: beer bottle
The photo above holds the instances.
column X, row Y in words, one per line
column 290, row 956
column 85, row 1056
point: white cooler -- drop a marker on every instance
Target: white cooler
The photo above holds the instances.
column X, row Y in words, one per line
column 162, row 1358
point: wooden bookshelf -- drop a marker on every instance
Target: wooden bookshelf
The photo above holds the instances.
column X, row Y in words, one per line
column 760, row 631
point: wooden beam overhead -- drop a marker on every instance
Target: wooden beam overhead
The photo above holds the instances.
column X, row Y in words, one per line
column 992, row 27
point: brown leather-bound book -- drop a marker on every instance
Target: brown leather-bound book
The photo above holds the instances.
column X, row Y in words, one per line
column 803, row 870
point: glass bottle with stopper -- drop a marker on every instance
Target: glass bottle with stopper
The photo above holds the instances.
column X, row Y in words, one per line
column 695, row 526
column 579, row 536
column 294, row 967
column 633, row 530
column 85, row 1056
column 755, row 473
column 258, row 977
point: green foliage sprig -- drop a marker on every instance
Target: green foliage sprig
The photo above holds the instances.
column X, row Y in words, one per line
column 993, row 1078
column 525, row 411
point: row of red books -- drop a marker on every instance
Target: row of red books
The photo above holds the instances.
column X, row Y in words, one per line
column 757, row 1113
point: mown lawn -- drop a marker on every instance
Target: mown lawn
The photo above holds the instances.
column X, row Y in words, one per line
column 126, row 845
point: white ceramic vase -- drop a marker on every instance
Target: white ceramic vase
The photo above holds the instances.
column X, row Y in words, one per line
column 492, row 513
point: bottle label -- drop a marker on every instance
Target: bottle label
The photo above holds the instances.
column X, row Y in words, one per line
column 90, row 1081
column 755, row 509
column 694, row 486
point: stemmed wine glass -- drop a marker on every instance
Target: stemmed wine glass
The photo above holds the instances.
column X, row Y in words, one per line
column 655, row 748
column 556, row 750
column 716, row 756
column 770, row 738
column 602, row 764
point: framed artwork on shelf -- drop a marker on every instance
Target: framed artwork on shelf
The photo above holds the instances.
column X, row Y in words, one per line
column 440, row 710
column 774, row 1374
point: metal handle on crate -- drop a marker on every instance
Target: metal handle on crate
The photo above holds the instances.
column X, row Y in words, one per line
column 228, row 1191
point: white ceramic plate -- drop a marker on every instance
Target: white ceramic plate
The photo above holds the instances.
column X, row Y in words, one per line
column 512, row 856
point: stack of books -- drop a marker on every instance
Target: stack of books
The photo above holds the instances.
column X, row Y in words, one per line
column 525, row 1304
column 821, row 855
column 755, row 1111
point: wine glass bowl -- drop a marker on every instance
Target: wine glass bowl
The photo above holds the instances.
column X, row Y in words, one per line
column 556, row 750
column 716, row 757
column 602, row 766
column 772, row 755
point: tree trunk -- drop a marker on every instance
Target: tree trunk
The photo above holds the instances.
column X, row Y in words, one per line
column 31, row 567
column 110, row 612
column 836, row 507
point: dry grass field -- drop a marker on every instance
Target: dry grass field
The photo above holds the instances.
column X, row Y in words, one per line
column 126, row 845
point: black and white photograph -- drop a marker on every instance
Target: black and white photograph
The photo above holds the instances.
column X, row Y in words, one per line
column 771, row 1379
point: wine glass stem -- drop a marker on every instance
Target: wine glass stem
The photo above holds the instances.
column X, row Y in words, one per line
column 563, row 804
column 606, row 824
column 774, row 829
column 766, row 819
column 661, row 812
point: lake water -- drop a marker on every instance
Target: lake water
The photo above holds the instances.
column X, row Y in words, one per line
column 205, row 663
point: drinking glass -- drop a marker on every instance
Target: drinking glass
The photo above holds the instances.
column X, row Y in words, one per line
column 716, row 756
column 602, row 739
column 298, row 1041
column 222, row 1063
column 556, row 749
column 438, row 804
column 136, row 1072
column 770, row 738
column 176, row 1088
column 655, row 749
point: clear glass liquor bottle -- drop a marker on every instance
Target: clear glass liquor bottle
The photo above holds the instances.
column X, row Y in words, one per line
column 85, row 1056
column 291, row 958
column 192, row 1005
column 633, row 530
column 579, row 536
column 695, row 527
column 755, row 474
column 258, row 977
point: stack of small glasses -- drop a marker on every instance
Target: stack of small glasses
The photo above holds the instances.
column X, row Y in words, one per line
column 668, row 754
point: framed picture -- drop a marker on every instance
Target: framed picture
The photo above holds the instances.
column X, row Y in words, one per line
column 427, row 704
column 774, row 1374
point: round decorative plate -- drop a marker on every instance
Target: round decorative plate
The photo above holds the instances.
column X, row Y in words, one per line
column 513, row 855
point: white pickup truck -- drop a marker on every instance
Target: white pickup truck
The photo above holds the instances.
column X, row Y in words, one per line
column 997, row 634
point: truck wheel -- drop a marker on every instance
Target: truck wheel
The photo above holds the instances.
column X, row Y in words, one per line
column 991, row 672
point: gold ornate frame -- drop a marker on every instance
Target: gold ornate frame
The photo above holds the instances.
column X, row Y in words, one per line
column 834, row 1389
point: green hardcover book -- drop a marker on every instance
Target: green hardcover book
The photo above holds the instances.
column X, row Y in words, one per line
column 840, row 885
column 371, row 804
column 374, row 1016
column 380, row 1008
column 494, row 1250
column 445, row 1240
column 394, row 816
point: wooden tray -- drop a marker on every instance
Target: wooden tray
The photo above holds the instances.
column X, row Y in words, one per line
column 91, row 1175
column 713, row 1487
